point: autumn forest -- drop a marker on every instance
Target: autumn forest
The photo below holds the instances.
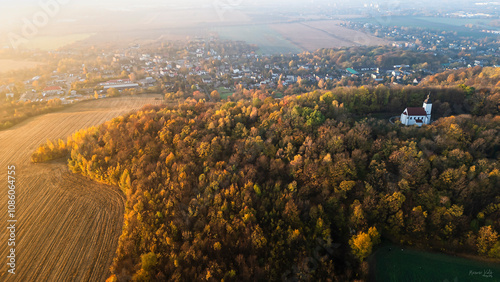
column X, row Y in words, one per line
column 302, row 187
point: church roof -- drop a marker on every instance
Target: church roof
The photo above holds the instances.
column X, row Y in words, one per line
column 417, row 111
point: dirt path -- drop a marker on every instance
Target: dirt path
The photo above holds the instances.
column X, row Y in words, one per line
column 67, row 226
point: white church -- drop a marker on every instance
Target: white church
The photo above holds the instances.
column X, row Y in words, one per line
column 418, row 115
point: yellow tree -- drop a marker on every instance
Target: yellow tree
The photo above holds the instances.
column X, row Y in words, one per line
column 362, row 243
column 112, row 92
column 215, row 95
column 132, row 77
column 148, row 263
column 321, row 83
column 486, row 239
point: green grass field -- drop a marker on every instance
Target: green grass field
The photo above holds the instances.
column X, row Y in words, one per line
column 394, row 264
column 434, row 23
column 224, row 93
column 278, row 95
column 270, row 42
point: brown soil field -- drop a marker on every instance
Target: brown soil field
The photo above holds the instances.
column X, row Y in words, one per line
column 308, row 38
column 313, row 35
column 359, row 38
column 9, row 65
column 67, row 226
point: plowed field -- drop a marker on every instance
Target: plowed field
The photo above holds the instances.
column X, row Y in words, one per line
column 67, row 226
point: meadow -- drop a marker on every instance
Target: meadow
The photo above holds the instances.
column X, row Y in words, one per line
column 394, row 263
column 224, row 93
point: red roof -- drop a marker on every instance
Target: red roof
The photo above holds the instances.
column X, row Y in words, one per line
column 415, row 112
column 52, row 88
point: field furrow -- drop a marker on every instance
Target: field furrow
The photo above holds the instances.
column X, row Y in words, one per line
column 67, row 226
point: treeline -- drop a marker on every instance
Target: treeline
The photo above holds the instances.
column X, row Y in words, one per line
column 365, row 100
column 289, row 189
column 16, row 112
column 477, row 77
column 384, row 57
column 50, row 151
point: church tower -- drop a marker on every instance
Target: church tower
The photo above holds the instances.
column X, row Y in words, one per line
column 428, row 108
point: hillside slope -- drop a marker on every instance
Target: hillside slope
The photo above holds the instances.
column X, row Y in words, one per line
column 291, row 188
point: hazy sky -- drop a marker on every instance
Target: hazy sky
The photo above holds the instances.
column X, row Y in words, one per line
column 13, row 9
column 12, row 13
column 77, row 16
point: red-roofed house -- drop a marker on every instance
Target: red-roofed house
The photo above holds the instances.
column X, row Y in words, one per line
column 52, row 90
column 418, row 115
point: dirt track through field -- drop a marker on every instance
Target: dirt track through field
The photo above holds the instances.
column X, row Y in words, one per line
column 67, row 226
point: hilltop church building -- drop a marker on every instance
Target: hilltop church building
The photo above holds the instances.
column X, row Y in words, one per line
column 418, row 115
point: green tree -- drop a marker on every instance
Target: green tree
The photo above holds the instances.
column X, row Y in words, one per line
column 125, row 181
column 148, row 262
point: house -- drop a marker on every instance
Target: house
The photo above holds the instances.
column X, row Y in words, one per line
column 206, row 79
column 52, row 90
column 352, row 71
column 377, row 77
column 115, row 82
column 396, row 73
column 418, row 115
column 119, row 84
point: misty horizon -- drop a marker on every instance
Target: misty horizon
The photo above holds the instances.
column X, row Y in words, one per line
column 26, row 20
